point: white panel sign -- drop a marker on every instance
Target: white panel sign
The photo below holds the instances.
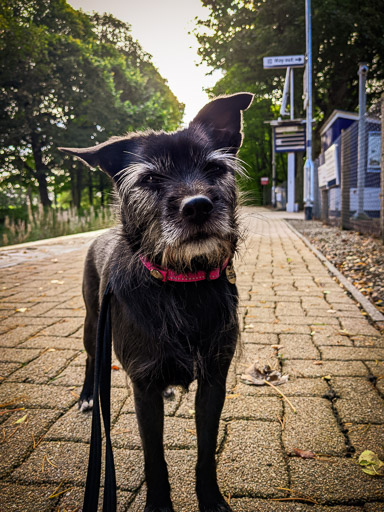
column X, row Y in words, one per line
column 328, row 173
column 288, row 61
column 374, row 151
column 321, row 173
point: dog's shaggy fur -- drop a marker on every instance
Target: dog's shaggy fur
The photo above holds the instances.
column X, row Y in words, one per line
column 177, row 200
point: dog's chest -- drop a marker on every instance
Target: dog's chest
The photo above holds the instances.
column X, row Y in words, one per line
column 172, row 330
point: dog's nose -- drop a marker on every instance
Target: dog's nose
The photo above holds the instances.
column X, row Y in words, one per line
column 197, row 208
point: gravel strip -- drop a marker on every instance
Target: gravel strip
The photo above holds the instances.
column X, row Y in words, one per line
column 360, row 258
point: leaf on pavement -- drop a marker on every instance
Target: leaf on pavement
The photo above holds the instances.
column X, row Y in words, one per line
column 371, row 464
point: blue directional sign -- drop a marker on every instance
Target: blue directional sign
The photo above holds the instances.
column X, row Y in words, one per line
column 287, row 61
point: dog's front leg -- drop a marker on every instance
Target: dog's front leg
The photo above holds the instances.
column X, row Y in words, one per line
column 210, row 398
column 150, row 416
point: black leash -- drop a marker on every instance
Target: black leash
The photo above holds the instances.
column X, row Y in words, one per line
column 102, row 396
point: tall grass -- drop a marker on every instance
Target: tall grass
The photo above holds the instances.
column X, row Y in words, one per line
column 41, row 224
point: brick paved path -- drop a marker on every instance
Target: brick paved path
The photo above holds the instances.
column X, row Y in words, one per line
column 293, row 314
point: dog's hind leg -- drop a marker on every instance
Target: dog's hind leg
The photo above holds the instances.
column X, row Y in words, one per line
column 210, row 398
column 150, row 416
column 91, row 298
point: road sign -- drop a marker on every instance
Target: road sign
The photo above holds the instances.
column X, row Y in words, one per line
column 288, row 61
column 289, row 137
column 264, row 180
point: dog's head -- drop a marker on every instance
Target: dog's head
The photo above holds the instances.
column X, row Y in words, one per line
column 177, row 191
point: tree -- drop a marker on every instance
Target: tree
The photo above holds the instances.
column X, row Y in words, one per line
column 238, row 34
column 73, row 80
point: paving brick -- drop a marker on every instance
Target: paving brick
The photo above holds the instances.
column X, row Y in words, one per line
column 373, row 507
column 72, row 500
column 64, row 327
column 314, row 427
column 294, row 387
column 7, row 369
column 251, row 352
column 45, row 367
column 367, row 437
column 278, row 328
column 354, row 326
column 360, row 411
column 350, row 387
column 262, row 339
column 43, row 308
column 76, row 426
column 46, row 342
column 352, row 353
column 251, row 407
column 38, row 396
column 18, row 355
column 25, row 498
column 334, row 481
column 13, row 337
column 23, row 321
column 19, row 439
column 368, row 341
column 336, row 340
column 284, row 308
column 307, row 320
column 376, row 368
column 67, row 461
column 260, row 315
column 310, row 368
column 252, row 462
column 296, row 346
column 249, row 505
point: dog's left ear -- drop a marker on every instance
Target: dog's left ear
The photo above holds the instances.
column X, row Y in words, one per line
column 223, row 116
column 111, row 156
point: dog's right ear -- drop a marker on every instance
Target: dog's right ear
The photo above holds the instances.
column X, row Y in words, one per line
column 111, row 156
column 223, row 117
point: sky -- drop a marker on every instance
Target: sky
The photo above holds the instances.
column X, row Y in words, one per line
column 161, row 27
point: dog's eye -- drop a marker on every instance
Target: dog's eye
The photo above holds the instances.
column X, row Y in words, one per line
column 152, row 179
column 214, row 170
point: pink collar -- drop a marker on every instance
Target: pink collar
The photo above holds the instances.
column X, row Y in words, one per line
column 190, row 277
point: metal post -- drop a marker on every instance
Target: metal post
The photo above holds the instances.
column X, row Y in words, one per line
column 382, row 171
column 291, row 156
column 273, row 169
column 308, row 167
column 361, row 153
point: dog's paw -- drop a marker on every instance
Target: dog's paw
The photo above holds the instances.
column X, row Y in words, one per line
column 85, row 404
column 169, row 393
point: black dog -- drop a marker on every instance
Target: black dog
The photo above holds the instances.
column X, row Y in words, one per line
column 170, row 264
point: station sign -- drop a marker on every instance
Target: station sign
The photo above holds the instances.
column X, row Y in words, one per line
column 289, row 137
column 287, row 61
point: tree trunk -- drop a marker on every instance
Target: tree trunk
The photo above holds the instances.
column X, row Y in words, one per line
column 79, row 186
column 101, row 188
column 40, row 171
column 72, row 174
column 90, row 187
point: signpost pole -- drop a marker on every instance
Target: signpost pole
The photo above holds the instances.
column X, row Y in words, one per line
column 273, row 170
column 308, row 167
column 361, row 154
column 291, row 156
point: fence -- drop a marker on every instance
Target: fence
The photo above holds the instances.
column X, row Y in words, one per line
column 347, row 191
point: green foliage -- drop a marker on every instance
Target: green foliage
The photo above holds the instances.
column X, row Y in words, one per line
column 41, row 223
column 69, row 79
column 238, row 34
